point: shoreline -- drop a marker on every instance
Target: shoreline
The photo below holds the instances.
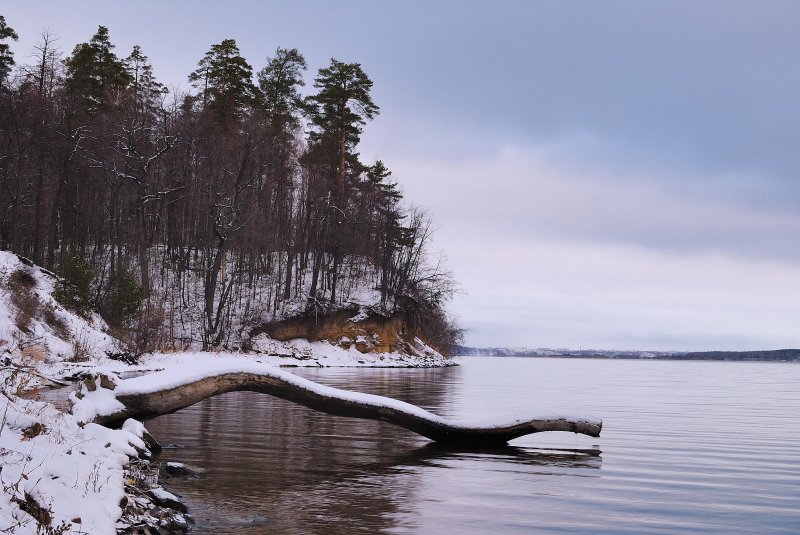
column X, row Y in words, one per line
column 118, row 485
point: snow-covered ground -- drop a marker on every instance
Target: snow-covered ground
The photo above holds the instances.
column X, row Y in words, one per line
column 37, row 329
column 34, row 326
column 61, row 475
column 73, row 474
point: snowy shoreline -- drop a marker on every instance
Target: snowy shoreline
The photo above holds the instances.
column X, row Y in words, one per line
column 61, row 475
column 64, row 474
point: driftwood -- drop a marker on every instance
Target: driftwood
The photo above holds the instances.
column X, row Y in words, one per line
column 143, row 399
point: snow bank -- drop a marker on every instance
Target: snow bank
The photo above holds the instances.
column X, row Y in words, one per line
column 36, row 327
column 74, row 472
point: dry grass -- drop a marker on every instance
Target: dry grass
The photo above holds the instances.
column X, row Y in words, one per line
column 51, row 318
column 20, row 284
column 27, row 305
column 33, row 431
column 81, row 350
column 33, row 354
column 22, row 279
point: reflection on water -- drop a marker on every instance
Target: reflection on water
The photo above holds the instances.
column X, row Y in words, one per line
column 276, row 467
column 686, row 446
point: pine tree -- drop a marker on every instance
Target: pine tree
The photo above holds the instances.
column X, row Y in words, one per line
column 225, row 81
column 280, row 99
column 94, row 73
column 388, row 217
column 279, row 83
column 339, row 110
column 6, row 56
column 146, row 91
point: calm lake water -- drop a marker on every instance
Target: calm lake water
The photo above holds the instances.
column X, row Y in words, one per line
column 687, row 447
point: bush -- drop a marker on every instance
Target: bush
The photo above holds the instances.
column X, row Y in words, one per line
column 73, row 290
column 125, row 297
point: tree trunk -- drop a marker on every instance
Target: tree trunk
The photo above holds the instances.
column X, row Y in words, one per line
column 174, row 389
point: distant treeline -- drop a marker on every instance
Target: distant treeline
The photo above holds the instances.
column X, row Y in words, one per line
column 782, row 355
column 241, row 182
column 776, row 354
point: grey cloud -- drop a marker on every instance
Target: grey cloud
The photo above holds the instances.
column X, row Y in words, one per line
column 617, row 174
column 519, row 195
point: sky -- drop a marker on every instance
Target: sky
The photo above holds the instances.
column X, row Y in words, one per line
column 617, row 175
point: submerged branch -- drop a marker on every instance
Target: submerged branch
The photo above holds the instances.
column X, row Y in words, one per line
column 171, row 390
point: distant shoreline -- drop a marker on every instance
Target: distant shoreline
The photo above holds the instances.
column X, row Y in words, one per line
column 777, row 355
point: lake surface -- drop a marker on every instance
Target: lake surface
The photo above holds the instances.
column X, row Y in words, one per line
column 686, row 447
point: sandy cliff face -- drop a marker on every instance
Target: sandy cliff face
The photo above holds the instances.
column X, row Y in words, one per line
column 367, row 332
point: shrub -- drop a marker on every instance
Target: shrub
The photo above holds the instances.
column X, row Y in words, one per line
column 125, row 297
column 81, row 349
column 73, row 290
column 26, row 302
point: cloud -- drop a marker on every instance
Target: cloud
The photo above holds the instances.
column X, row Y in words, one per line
column 570, row 293
column 523, row 193
column 619, row 175
column 599, row 252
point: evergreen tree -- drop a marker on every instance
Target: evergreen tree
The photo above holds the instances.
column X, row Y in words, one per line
column 339, row 110
column 73, row 289
column 6, row 56
column 392, row 236
column 125, row 297
column 280, row 99
column 225, row 81
column 279, row 83
column 94, row 73
column 146, row 91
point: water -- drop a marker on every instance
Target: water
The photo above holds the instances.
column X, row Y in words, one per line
column 689, row 447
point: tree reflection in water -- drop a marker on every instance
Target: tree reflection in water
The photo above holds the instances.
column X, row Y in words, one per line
column 276, row 467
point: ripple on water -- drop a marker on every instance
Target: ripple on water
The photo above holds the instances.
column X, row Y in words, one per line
column 692, row 447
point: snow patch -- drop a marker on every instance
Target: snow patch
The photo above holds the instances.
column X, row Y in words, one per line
column 74, row 472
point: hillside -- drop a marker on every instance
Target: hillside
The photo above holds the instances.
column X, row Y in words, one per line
column 189, row 219
column 62, row 473
column 38, row 332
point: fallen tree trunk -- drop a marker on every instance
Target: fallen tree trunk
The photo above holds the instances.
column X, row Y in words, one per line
column 171, row 390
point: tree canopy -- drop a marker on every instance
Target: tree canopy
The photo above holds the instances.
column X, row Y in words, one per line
column 94, row 72
column 238, row 201
column 6, row 56
column 225, row 81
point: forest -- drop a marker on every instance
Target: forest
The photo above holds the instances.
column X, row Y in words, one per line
column 188, row 218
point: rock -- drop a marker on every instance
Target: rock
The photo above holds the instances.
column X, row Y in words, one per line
column 180, row 469
column 137, row 428
column 167, row 499
column 175, row 524
column 90, row 383
column 107, row 382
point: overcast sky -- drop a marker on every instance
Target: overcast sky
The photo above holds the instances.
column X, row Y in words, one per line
column 602, row 174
